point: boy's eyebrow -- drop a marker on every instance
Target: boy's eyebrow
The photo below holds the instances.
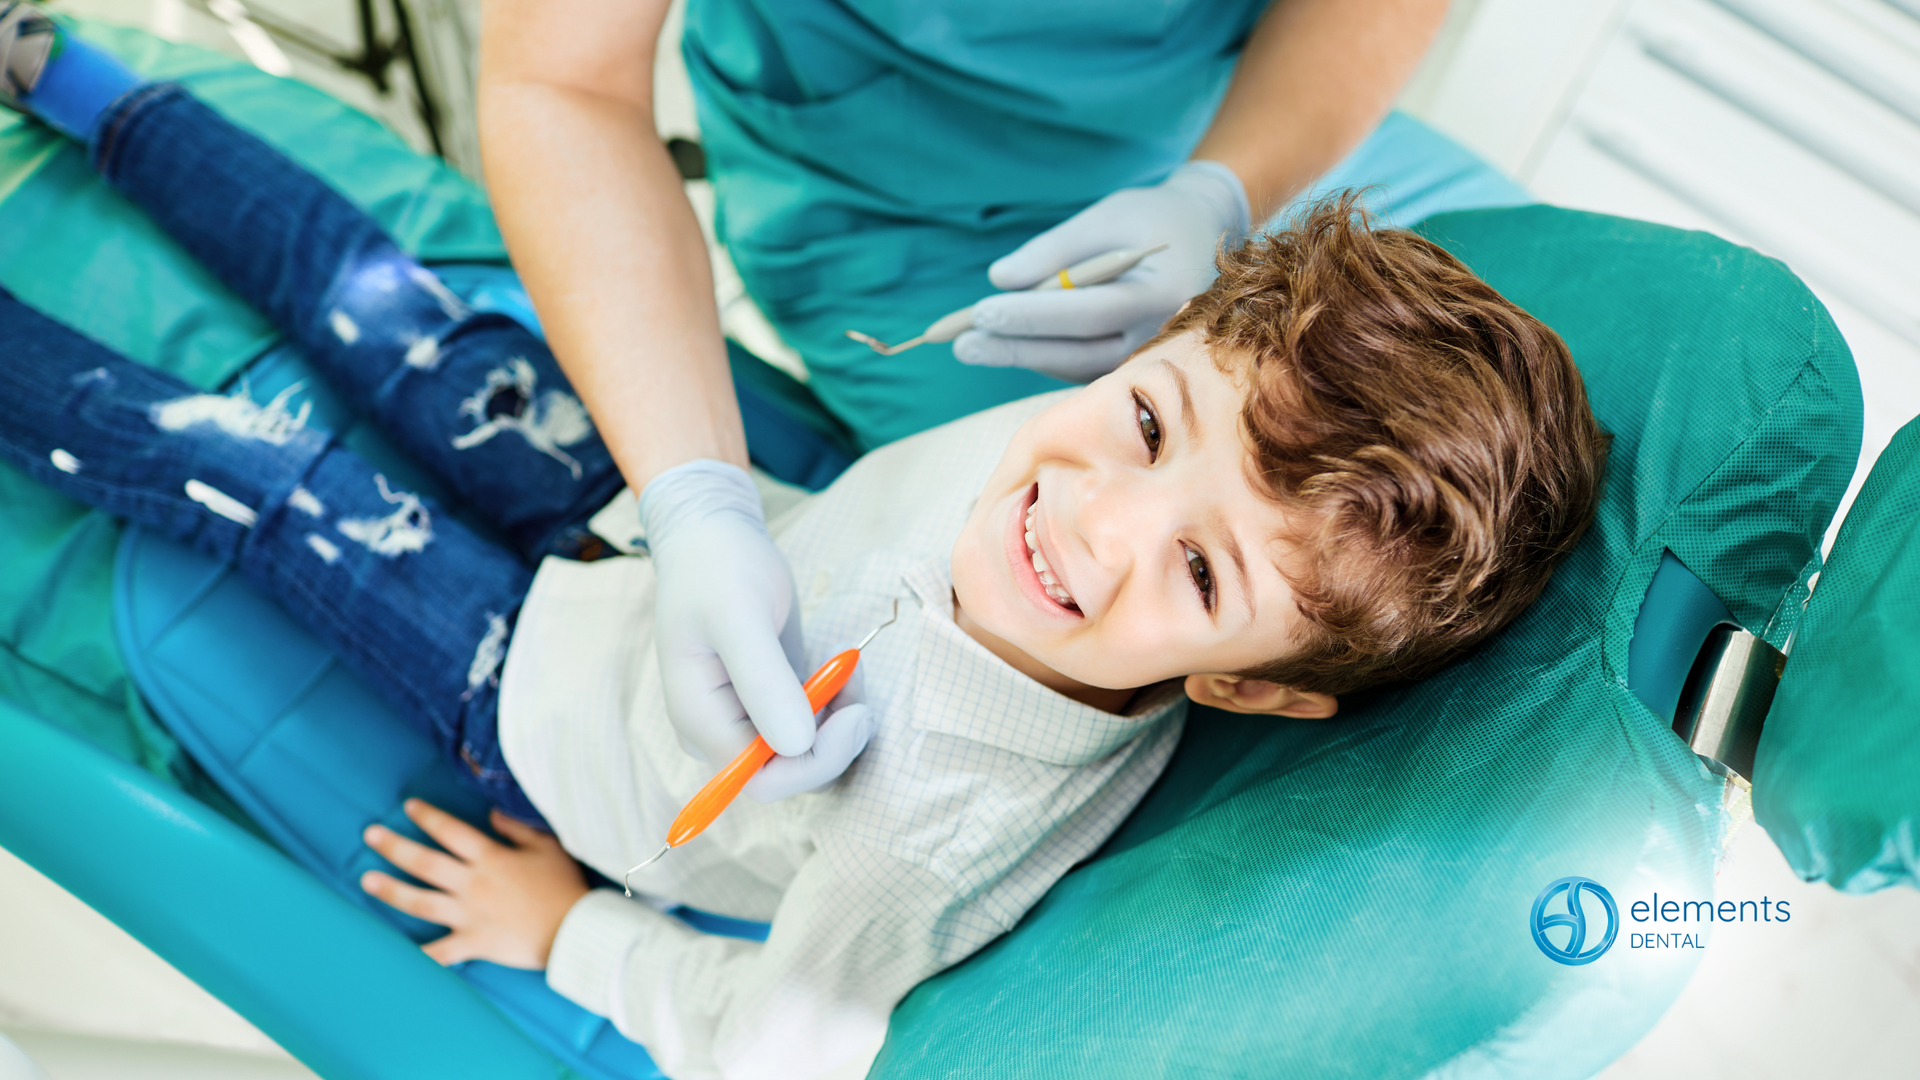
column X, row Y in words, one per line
column 1232, row 544
column 1186, row 396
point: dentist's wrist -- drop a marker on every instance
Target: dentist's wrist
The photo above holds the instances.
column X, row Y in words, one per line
column 1217, row 186
column 695, row 491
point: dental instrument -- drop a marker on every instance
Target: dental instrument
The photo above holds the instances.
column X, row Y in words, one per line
column 1097, row 270
column 706, row 804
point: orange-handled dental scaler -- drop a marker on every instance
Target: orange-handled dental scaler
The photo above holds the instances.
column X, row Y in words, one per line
column 725, row 786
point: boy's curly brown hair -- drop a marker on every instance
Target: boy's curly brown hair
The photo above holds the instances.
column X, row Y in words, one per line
column 1432, row 440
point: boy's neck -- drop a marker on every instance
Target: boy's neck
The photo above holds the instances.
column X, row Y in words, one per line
column 1113, row 701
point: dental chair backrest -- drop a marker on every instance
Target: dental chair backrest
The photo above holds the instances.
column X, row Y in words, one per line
column 1354, row 897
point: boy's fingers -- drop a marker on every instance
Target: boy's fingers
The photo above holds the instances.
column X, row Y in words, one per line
column 434, row 907
column 434, row 867
column 521, row 833
column 450, row 950
column 453, row 834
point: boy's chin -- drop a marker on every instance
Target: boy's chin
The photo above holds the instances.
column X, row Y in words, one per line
column 1094, row 677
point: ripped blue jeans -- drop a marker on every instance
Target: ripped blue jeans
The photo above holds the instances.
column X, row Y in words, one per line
column 418, row 604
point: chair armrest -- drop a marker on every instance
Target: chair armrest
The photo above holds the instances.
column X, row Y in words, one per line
column 348, row 996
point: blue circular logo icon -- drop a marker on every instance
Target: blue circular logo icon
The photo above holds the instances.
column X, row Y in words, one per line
column 1575, row 950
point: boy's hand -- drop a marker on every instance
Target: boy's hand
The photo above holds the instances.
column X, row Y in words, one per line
column 503, row 902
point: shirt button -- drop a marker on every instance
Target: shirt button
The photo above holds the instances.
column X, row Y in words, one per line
column 821, row 582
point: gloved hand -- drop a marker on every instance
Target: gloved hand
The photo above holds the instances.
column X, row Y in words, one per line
column 841, row 738
column 727, row 623
column 1081, row 334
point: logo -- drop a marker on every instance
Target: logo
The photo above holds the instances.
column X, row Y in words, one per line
column 1574, row 951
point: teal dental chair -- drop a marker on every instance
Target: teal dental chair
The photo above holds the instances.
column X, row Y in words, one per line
column 1341, row 898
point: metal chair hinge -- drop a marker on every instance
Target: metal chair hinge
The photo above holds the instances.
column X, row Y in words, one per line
column 1725, row 701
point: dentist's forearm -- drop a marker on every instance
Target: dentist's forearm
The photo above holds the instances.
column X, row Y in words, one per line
column 601, row 232
column 1315, row 78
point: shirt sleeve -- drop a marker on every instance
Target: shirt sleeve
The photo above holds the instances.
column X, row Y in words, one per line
column 855, row 931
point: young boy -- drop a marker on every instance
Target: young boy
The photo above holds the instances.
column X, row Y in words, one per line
column 1346, row 464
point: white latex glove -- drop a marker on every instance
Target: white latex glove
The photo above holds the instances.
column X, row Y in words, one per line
column 1081, row 334
column 726, row 618
column 843, row 736
column 840, row 739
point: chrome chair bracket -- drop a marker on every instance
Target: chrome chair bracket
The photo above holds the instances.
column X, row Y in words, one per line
column 1724, row 703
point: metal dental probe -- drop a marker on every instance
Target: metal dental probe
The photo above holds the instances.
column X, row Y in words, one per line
column 720, row 791
column 1098, row 270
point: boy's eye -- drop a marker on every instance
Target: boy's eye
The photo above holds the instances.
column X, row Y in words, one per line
column 1149, row 427
column 1202, row 575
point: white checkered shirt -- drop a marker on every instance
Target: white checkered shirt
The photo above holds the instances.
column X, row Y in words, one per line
column 980, row 789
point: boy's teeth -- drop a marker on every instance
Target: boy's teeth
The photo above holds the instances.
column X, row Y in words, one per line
column 1054, row 589
column 1040, row 566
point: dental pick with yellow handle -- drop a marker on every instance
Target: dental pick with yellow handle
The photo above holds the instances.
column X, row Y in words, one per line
column 1098, row 270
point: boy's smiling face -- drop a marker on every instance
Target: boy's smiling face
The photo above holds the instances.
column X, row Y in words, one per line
column 1134, row 494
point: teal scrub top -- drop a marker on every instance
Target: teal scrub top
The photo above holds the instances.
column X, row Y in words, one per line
column 871, row 157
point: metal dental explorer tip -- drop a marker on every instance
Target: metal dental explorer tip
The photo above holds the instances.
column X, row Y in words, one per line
column 720, row 791
column 882, row 347
column 626, row 879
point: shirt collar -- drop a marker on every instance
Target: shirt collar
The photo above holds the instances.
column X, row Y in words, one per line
column 961, row 689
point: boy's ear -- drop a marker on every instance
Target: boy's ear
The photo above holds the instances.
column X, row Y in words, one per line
column 1235, row 694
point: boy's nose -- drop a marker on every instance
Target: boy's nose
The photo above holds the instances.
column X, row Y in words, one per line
column 1120, row 520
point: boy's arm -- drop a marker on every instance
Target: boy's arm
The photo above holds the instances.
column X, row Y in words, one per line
column 856, row 931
